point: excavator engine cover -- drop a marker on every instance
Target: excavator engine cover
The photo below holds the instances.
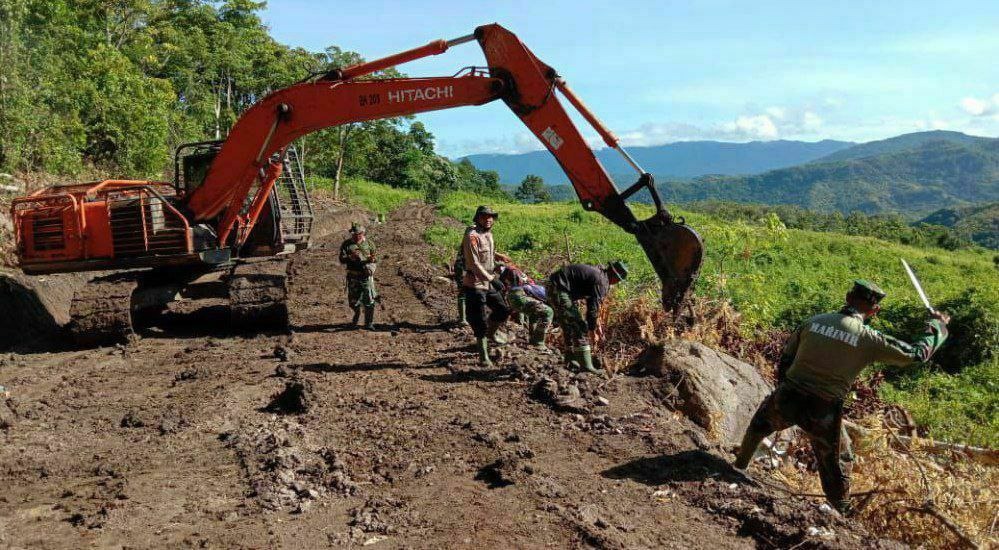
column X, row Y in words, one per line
column 675, row 250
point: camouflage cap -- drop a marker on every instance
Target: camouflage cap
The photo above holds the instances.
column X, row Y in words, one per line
column 619, row 269
column 485, row 210
column 867, row 290
column 357, row 228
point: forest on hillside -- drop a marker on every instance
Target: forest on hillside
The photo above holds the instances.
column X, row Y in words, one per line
column 112, row 87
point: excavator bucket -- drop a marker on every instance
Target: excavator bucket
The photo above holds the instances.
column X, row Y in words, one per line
column 675, row 251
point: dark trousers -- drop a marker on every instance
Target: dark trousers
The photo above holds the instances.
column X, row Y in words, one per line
column 476, row 302
column 822, row 422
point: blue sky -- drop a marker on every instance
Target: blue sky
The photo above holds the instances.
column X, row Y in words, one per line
column 658, row 72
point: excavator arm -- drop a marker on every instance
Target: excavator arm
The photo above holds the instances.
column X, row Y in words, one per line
column 514, row 74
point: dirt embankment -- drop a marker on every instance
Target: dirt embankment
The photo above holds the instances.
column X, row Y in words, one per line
column 194, row 436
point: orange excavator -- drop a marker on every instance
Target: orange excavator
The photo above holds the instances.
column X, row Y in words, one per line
column 237, row 207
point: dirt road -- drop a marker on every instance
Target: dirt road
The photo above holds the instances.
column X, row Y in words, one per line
column 390, row 438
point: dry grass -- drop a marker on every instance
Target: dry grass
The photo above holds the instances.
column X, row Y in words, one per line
column 633, row 324
column 918, row 494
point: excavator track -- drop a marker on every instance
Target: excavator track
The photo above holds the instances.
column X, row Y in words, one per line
column 101, row 312
column 258, row 295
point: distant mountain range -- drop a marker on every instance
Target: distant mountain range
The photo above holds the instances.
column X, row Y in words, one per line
column 912, row 174
column 679, row 160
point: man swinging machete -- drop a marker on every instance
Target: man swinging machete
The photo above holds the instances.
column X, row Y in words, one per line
column 819, row 364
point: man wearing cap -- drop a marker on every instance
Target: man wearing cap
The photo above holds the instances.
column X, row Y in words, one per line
column 819, row 363
column 481, row 285
column 358, row 255
column 582, row 282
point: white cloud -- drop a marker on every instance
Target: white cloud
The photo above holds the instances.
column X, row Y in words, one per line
column 979, row 107
column 756, row 126
column 776, row 112
column 811, row 121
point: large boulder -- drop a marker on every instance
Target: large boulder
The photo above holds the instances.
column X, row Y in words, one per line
column 34, row 307
column 715, row 390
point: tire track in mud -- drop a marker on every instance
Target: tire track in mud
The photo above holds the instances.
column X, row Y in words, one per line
column 401, row 441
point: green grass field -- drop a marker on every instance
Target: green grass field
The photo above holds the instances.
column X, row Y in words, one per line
column 777, row 277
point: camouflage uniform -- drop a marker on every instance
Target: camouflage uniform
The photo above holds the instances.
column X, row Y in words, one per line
column 529, row 300
column 568, row 316
column 360, row 281
column 818, row 365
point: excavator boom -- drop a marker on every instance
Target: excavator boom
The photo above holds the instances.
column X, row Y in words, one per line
column 237, row 205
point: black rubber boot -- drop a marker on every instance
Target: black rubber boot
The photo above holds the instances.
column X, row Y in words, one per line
column 843, row 506
column 750, row 442
column 369, row 318
column 356, row 317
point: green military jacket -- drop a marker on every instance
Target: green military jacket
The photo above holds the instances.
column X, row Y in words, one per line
column 826, row 354
column 355, row 265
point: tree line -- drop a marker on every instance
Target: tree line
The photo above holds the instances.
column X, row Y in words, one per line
column 113, row 86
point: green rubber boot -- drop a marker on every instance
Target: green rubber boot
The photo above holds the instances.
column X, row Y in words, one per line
column 539, row 328
column 483, row 346
column 538, row 332
column 584, row 356
column 369, row 317
column 462, row 320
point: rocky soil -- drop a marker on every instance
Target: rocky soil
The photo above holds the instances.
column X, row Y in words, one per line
column 193, row 435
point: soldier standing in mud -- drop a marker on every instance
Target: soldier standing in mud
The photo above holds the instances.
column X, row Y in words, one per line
column 528, row 298
column 818, row 365
column 358, row 255
column 582, row 282
column 481, row 285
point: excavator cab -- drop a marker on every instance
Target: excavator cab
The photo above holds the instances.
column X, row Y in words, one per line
column 285, row 222
column 191, row 164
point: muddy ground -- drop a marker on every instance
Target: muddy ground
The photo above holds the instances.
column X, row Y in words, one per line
column 192, row 436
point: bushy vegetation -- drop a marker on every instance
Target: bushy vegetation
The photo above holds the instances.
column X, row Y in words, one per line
column 115, row 86
column 776, row 277
column 376, row 197
column 978, row 223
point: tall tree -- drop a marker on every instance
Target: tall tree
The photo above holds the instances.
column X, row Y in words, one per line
column 532, row 190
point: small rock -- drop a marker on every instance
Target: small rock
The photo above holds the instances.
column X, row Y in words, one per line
column 603, row 401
